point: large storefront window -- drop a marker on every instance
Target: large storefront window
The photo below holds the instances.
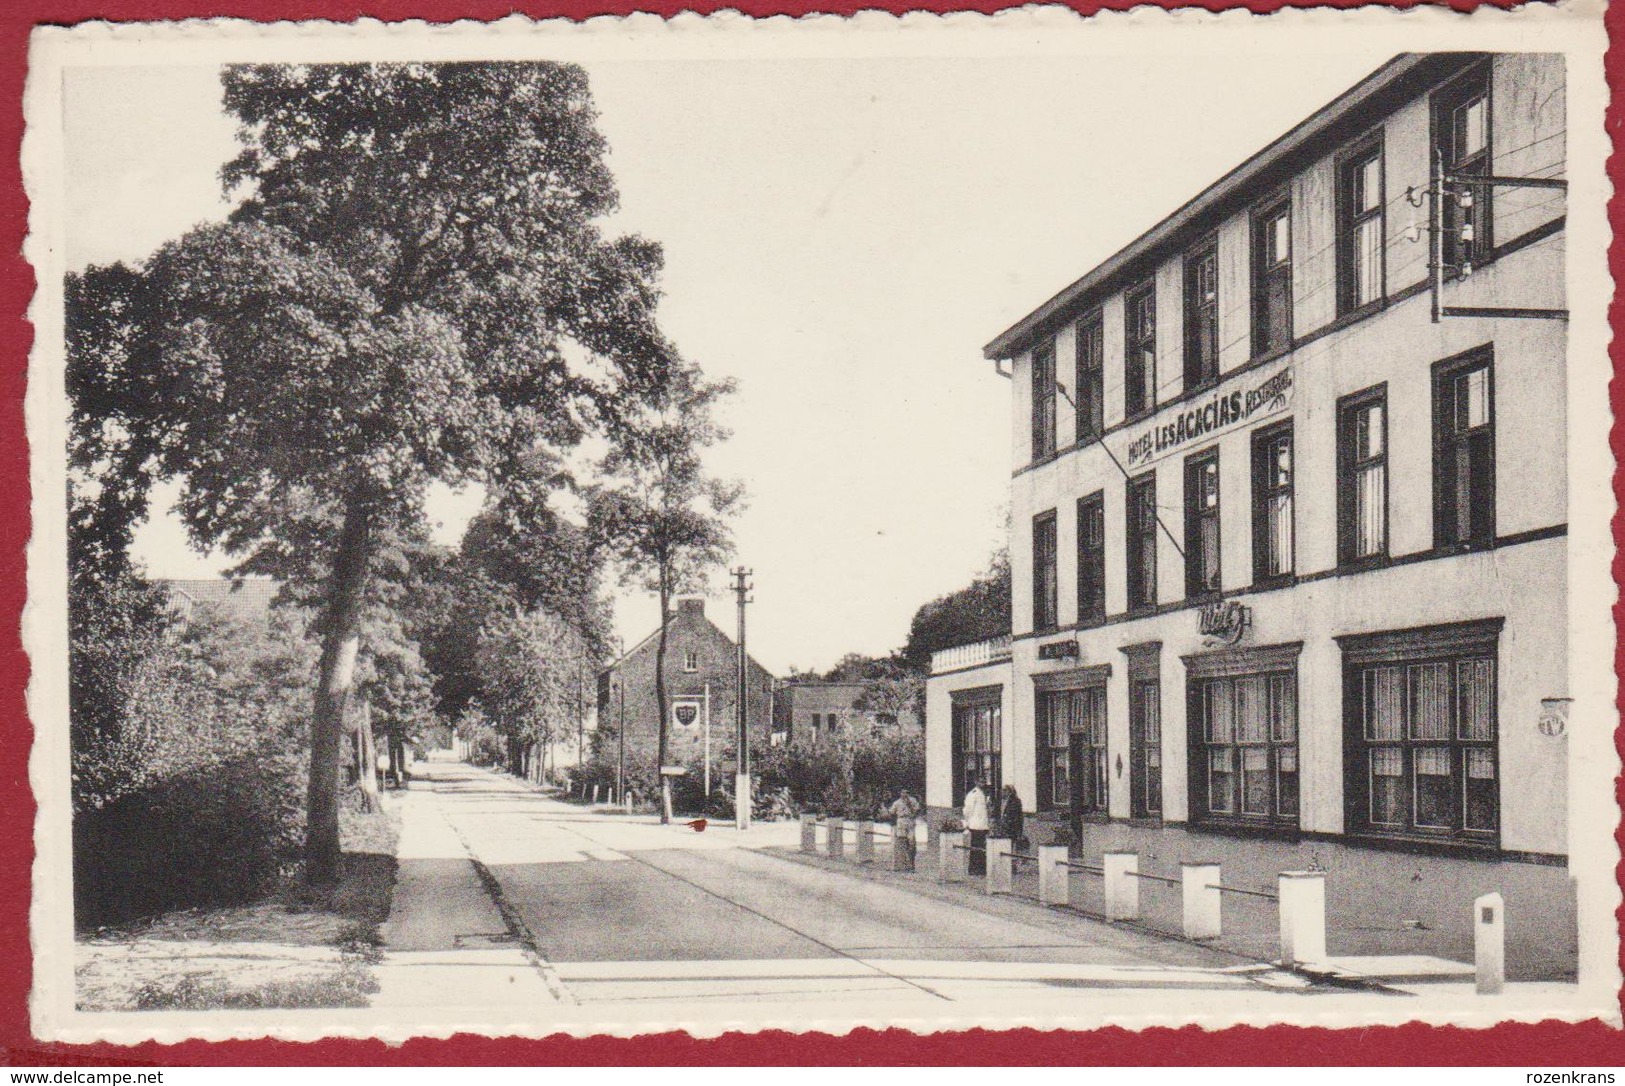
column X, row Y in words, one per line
column 1244, row 736
column 978, row 724
column 1420, row 722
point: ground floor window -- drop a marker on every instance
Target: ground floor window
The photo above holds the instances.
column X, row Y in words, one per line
column 1145, row 747
column 978, row 724
column 1072, row 772
column 1244, row 736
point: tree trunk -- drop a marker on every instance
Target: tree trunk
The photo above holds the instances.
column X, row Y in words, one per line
column 341, row 642
column 660, row 692
column 369, row 759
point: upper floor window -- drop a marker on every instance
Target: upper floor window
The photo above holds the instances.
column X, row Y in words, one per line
column 1142, row 542
column 1360, row 228
column 1140, row 350
column 1272, row 503
column 1044, row 575
column 1202, row 316
column 1463, row 451
column 691, row 660
column 1090, row 385
column 1362, row 475
column 1272, row 278
column 1043, row 400
column 1461, row 139
column 1092, row 559
column 1202, row 523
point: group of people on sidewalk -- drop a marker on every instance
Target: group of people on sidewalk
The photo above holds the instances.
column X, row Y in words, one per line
column 1009, row 820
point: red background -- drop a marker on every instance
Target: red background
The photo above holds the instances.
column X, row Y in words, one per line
column 1547, row 1044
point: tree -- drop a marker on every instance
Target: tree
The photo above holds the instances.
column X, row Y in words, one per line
column 529, row 665
column 977, row 612
column 388, row 307
column 664, row 518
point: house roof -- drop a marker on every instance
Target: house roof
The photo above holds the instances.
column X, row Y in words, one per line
column 249, row 599
column 1350, row 112
column 654, row 634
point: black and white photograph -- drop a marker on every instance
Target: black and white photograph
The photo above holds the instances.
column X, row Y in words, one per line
column 723, row 524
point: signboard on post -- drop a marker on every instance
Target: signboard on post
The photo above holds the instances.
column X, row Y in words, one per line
column 685, row 714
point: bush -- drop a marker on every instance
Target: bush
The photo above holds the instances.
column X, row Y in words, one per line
column 215, row 835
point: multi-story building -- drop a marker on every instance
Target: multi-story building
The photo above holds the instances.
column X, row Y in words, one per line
column 808, row 712
column 701, row 685
column 1289, row 515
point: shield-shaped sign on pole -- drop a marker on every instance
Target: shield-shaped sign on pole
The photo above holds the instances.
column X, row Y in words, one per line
column 686, row 713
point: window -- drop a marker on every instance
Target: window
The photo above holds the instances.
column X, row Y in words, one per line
column 1202, row 524
column 1245, row 744
column 1420, row 710
column 1072, row 750
column 1461, row 136
column 1202, row 317
column 978, row 723
column 1043, row 401
column 1140, row 350
column 691, row 660
column 1272, row 503
column 1090, row 386
column 1142, row 542
column 1092, row 559
column 1362, row 476
column 1145, row 731
column 1360, row 229
column 1272, row 278
column 1044, row 578
column 1463, row 451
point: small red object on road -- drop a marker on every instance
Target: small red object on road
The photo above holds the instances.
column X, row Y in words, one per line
column 698, row 825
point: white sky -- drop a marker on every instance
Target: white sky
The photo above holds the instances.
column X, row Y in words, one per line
column 842, row 236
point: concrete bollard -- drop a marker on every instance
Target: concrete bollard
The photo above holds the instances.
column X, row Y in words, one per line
column 1489, row 943
column 1000, row 875
column 1303, row 917
column 595, row 793
column 1053, row 875
column 809, row 833
column 953, row 862
column 835, row 838
column 1122, row 885
column 866, row 843
column 1202, row 899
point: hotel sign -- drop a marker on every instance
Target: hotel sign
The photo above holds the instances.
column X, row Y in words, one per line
column 1213, row 415
column 1058, row 650
column 1225, row 622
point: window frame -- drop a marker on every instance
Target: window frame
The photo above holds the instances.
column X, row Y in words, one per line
column 967, row 707
column 1139, row 344
column 1201, row 315
column 1443, row 106
column 1350, row 218
column 1083, row 727
column 1141, row 543
column 1201, row 582
column 1264, row 272
column 1275, row 671
column 1452, row 646
column 1264, row 440
column 1045, row 442
column 1089, row 378
column 1349, row 466
column 1145, row 763
column 1447, row 498
column 1046, row 572
column 1091, row 513
column 691, row 661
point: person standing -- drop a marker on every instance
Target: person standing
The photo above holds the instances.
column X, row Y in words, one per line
column 1012, row 820
column 976, row 821
column 904, row 810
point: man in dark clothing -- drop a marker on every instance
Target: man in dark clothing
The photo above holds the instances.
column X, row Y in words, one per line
column 1011, row 818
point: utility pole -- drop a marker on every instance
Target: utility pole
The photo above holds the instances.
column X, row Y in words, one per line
column 742, row 797
column 620, row 769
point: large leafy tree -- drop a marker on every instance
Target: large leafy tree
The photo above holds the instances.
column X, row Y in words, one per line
column 979, row 611
column 664, row 516
column 413, row 289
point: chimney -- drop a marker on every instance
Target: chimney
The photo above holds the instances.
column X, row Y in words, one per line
column 691, row 607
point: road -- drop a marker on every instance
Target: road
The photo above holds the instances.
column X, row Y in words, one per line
column 577, row 906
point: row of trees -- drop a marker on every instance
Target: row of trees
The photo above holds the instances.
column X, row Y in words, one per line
column 412, row 290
